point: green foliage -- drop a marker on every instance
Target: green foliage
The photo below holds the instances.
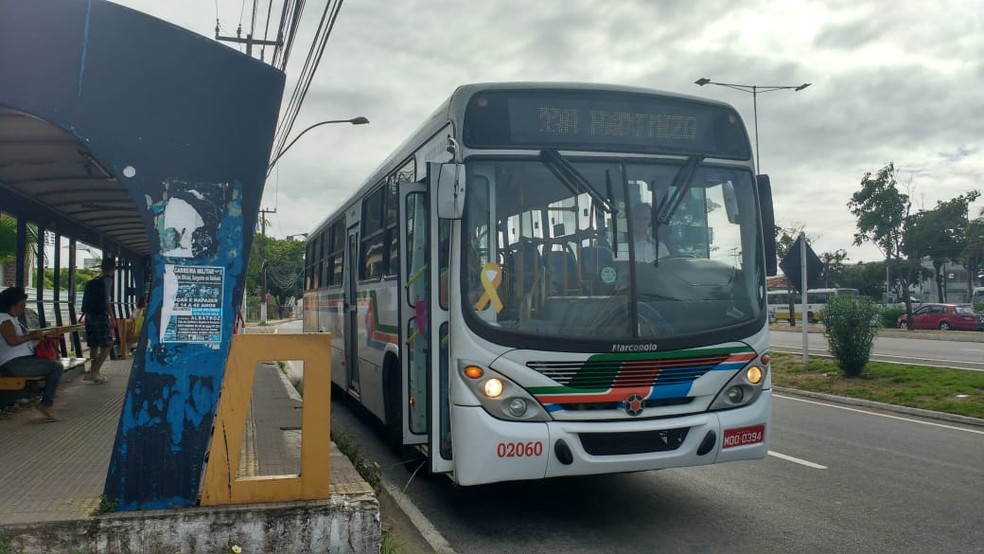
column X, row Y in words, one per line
column 368, row 470
column 278, row 265
column 850, row 334
column 105, row 506
column 889, row 317
column 82, row 276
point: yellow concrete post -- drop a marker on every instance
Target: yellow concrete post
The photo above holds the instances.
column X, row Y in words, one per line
column 220, row 484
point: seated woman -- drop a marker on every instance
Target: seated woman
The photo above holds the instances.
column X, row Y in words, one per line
column 17, row 350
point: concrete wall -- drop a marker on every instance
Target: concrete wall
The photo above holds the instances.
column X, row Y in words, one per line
column 344, row 523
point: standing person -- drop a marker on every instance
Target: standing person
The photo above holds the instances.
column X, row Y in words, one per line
column 17, row 350
column 97, row 304
column 646, row 248
column 240, row 325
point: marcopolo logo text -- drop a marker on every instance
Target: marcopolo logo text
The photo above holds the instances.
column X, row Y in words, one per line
column 634, row 347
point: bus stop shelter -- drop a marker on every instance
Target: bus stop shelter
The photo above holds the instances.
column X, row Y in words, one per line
column 150, row 142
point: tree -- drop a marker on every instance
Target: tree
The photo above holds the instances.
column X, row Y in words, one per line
column 867, row 277
column 275, row 266
column 973, row 252
column 941, row 234
column 883, row 213
column 833, row 266
column 8, row 241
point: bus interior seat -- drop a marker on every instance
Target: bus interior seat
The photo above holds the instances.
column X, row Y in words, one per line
column 593, row 258
column 524, row 264
column 564, row 277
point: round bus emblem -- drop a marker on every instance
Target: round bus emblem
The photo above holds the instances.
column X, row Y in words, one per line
column 634, row 405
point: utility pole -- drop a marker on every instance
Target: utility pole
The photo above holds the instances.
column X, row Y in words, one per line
column 263, row 219
column 249, row 41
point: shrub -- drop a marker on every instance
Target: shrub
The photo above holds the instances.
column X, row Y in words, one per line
column 849, row 331
column 890, row 316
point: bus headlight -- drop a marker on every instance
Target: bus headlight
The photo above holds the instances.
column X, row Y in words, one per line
column 517, row 407
column 743, row 389
column 493, row 388
column 754, row 374
column 500, row 397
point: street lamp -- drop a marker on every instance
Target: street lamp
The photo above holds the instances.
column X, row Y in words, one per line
column 754, row 90
column 354, row 121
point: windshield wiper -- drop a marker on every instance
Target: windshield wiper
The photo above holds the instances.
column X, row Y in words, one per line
column 680, row 186
column 573, row 179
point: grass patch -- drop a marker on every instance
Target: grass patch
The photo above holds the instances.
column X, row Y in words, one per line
column 954, row 391
column 389, row 543
column 368, row 470
column 106, row 506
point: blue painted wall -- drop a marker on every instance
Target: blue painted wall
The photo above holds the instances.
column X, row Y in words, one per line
column 186, row 125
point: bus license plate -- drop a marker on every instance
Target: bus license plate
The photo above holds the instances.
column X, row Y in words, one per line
column 743, row 436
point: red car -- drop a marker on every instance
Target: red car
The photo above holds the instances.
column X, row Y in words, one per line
column 943, row 317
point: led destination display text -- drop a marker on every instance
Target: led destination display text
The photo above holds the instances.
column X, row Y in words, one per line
column 604, row 121
column 619, row 124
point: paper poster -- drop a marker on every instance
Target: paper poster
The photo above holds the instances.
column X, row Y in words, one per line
column 192, row 310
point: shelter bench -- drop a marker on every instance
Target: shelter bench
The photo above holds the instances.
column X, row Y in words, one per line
column 9, row 382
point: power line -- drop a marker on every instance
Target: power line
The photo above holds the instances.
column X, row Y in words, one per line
column 266, row 31
column 313, row 60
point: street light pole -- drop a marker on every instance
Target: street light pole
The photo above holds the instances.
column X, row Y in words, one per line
column 354, row 121
column 755, row 90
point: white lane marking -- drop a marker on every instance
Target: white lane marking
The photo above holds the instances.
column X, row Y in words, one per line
column 796, row 460
column 879, row 415
column 419, row 520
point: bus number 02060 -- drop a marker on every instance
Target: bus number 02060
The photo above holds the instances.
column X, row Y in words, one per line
column 529, row 449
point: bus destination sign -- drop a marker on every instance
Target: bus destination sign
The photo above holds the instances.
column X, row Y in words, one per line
column 604, row 121
column 622, row 124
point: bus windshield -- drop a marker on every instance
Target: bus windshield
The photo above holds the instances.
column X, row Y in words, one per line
column 610, row 249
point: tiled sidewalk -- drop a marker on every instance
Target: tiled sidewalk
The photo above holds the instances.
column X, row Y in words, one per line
column 57, row 471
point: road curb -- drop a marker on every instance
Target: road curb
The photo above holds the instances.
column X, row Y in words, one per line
column 919, row 412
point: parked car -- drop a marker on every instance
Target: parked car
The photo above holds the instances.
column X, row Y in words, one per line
column 943, row 317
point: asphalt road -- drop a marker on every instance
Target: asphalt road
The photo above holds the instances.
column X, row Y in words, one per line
column 911, row 350
column 839, row 480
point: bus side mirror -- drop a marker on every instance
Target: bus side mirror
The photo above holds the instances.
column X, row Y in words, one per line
column 450, row 189
column 768, row 224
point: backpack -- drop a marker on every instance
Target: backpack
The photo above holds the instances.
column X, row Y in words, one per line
column 94, row 297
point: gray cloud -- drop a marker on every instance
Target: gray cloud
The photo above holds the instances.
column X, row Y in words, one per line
column 891, row 82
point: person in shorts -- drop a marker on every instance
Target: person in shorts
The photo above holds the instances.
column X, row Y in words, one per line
column 99, row 320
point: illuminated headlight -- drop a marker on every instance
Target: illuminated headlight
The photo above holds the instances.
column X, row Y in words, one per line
column 743, row 389
column 517, row 407
column 493, row 388
column 754, row 374
column 500, row 396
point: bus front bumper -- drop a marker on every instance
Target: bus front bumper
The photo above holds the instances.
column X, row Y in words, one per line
column 493, row 450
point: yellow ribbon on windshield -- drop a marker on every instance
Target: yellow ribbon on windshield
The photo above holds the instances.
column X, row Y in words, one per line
column 491, row 279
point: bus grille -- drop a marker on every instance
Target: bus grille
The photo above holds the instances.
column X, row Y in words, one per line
column 627, row 373
column 639, row 442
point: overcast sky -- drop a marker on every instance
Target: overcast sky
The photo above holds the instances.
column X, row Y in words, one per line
column 898, row 81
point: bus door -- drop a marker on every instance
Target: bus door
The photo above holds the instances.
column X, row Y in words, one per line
column 424, row 249
column 441, row 285
column 351, row 312
column 415, row 304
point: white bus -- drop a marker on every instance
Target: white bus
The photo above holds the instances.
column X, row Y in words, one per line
column 816, row 303
column 488, row 303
